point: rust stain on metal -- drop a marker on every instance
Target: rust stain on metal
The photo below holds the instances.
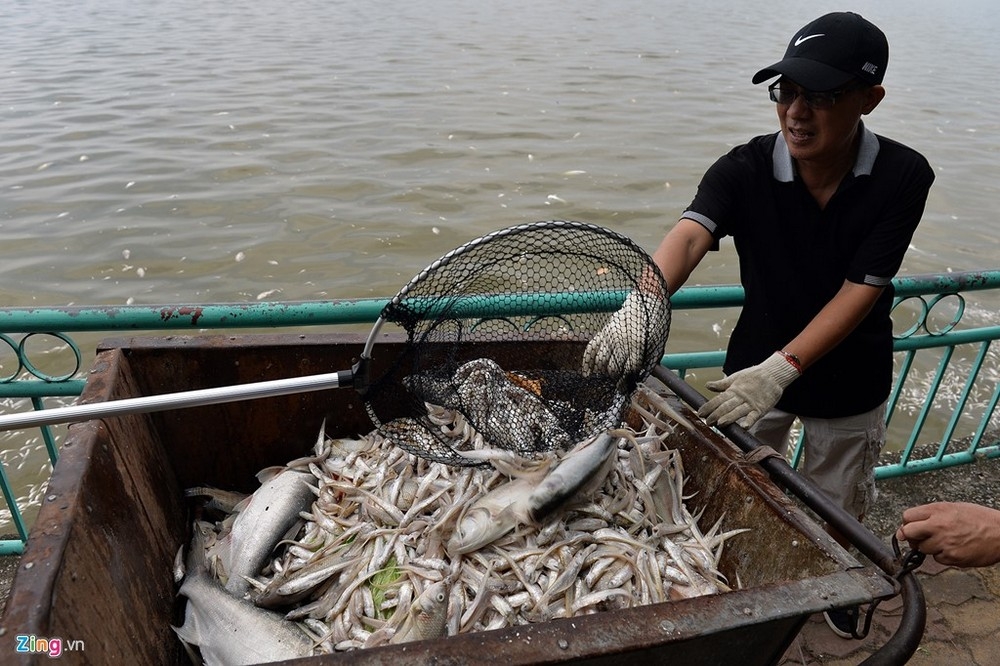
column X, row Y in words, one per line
column 195, row 313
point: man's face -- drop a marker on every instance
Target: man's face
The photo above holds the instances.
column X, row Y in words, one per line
column 820, row 133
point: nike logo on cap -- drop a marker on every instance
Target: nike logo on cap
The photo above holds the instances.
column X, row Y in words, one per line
column 802, row 39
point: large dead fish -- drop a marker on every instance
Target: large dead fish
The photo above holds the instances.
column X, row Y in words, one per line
column 535, row 496
column 491, row 516
column 578, row 474
column 227, row 629
column 266, row 518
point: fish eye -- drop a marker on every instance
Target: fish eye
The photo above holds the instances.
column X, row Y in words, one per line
column 440, row 596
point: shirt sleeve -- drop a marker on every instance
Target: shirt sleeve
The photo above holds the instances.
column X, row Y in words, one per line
column 881, row 254
column 717, row 202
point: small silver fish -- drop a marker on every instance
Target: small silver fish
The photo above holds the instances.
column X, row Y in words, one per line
column 223, row 501
column 289, row 587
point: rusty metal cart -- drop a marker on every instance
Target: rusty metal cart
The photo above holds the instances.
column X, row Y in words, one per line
column 97, row 567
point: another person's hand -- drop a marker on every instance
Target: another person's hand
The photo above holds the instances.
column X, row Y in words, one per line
column 619, row 347
column 747, row 395
column 960, row 534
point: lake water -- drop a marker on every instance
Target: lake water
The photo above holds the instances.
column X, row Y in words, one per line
column 203, row 152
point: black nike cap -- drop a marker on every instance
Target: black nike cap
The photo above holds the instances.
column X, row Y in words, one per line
column 831, row 51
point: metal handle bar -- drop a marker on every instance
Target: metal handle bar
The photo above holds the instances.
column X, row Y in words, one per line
column 182, row 399
column 901, row 646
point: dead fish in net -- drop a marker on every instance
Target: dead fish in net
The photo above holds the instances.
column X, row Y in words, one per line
column 505, row 413
column 227, row 629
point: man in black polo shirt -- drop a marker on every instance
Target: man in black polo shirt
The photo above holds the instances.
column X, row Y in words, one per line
column 821, row 214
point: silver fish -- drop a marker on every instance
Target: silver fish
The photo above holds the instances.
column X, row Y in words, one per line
column 224, row 501
column 663, row 409
column 581, row 470
column 269, row 514
column 427, row 616
column 290, row 586
column 228, row 630
column 495, row 514
column 491, row 517
column 533, row 497
column 506, row 414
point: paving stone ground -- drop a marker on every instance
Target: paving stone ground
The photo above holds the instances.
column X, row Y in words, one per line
column 963, row 623
column 963, row 605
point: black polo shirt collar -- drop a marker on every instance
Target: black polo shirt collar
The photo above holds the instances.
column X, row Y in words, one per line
column 784, row 168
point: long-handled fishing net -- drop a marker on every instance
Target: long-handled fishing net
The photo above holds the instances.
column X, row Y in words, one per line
column 554, row 281
column 546, row 281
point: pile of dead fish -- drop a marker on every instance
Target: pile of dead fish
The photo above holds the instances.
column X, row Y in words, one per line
column 363, row 544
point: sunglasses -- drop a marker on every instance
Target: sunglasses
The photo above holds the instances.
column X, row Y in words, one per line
column 785, row 95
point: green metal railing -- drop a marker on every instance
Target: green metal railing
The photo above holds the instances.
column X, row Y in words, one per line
column 926, row 294
column 968, row 432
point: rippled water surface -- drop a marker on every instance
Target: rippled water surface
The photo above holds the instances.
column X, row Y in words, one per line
column 210, row 152
column 193, row 152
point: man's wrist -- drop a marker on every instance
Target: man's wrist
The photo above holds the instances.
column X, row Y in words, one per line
column 781, row 369
column 792, row 359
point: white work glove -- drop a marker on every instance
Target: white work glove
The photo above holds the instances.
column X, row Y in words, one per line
column 750, row 393
column 620, row 346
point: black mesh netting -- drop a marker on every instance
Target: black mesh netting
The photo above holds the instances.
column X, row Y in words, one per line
column 555, row 283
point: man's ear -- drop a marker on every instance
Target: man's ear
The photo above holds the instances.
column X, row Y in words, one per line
column 874, row 95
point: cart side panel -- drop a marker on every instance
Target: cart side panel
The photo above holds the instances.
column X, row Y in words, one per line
column 781, row 544
column 109, row 525
column 227, row 444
